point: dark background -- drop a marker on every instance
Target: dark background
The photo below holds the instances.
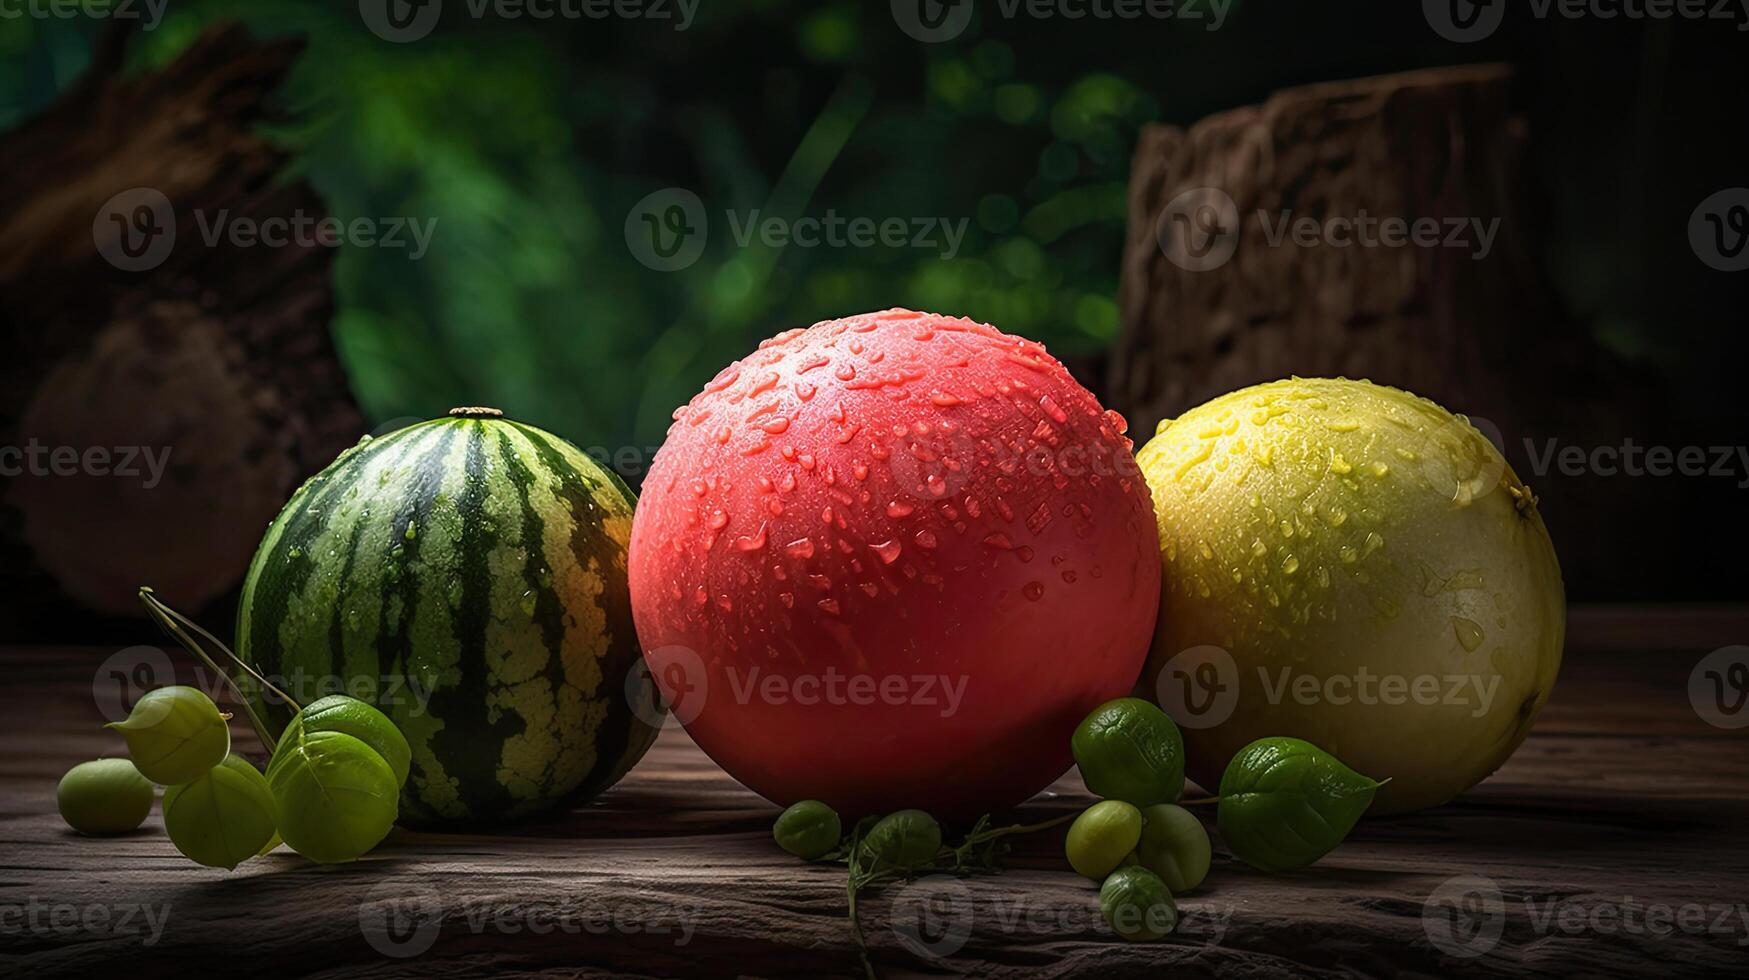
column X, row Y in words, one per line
column 529, row 141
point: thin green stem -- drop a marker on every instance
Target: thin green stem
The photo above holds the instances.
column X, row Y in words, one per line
column 172, row 622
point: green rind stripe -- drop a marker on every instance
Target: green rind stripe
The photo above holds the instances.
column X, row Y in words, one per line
column 287, row 558
column 622, row 737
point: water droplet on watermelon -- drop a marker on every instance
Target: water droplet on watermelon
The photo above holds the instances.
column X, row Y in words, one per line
column 899, row 508
column 1033, row 590
column 888, row 551
column 925, row 539
column 752, row 542
column 801, row 548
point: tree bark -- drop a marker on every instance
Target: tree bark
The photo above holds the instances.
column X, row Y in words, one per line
column 1469, row 320
column 211, row 359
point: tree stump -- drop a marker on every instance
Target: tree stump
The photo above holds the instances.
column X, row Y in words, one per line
column 1217, row 294
column 211, row 362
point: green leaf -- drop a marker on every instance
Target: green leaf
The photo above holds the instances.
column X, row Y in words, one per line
column 337, row 797
column 1285, row 803
column 223, row 818
column 903, row 840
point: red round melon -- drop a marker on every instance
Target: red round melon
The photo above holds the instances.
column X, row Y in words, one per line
column 892, row 560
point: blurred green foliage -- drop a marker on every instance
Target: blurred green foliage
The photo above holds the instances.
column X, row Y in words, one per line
column 530, row 140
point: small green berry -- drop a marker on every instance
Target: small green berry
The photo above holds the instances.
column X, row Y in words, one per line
column 106, row 796
column 809, row 829
column 175, row 735
column 1102, row 837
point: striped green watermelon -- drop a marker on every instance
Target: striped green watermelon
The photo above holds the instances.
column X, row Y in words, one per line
column 467, row 575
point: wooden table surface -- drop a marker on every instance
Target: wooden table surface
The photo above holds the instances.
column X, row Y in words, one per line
column 1611, row 843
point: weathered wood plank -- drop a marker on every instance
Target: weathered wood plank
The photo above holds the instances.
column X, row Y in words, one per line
column 1623, row 799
